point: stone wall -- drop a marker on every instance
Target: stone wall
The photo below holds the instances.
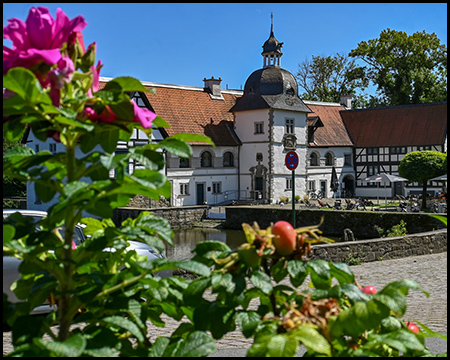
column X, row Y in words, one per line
column 363, row 224
column 177, row 216
column 383, row 249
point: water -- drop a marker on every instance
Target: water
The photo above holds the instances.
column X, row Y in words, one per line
column 185, row 240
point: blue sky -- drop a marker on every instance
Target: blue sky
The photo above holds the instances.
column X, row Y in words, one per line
column 182, row 43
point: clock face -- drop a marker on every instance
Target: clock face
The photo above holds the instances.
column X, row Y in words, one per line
column 291, row 101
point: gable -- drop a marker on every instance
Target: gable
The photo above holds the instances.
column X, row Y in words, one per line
column 333, row 131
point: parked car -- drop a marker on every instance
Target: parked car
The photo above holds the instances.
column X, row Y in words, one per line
column 11, row 264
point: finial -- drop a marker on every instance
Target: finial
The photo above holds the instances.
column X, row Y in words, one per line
column 271, row 22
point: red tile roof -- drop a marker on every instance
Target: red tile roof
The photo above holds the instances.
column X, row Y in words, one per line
column 191, row 110
column 333, row 132
column 417, row 125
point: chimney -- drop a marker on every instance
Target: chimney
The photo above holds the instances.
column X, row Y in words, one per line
column 213, row 86
column 346, row 100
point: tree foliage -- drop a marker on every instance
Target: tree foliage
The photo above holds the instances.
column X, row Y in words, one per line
column 327, row 78
column 407, row 69
column 421, row 166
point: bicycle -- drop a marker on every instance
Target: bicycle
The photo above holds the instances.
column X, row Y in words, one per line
column 313, row 195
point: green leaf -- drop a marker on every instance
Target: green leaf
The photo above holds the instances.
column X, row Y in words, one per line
column 159, row 122
column 109, row 139
column 8, row 233
column 193, row 293
column 159, row 346
column 312, row 339
column 403, row 287
column 125, row 324
column 25, row 84
column 279, row 271
column 360, row 317
column 320, row 273
column 194, row 267
column 192, row 138
column 204, row 247
column 262, row 281
column 248, row 321
column 282, row 345
column 440, row 218
column 402, row 340
column 297, row 272
column 342, row 273
column 177, row 147
column 72, row 347
column 196, row 344
column 126, row 83
column 44, row 191
column 123, row 109
column 431, row 333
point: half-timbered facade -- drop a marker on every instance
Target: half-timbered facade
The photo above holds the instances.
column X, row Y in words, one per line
column 383, row 136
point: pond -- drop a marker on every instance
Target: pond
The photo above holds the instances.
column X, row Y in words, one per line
column 185, row 240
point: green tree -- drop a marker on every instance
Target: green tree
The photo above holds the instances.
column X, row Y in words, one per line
column 407, row 69
column 421, row 166
column 327, row 78
column 12, row 187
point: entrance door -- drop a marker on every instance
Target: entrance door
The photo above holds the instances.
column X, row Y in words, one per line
column 398, row 188
column 200, row 194
column 258, row 187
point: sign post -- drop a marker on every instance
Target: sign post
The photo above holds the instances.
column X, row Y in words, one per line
column 291, row 162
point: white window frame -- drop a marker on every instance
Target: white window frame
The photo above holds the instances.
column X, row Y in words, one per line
column 184, row 188
column 289, row 183
column 217, row 187
column 289, row 126
column 259, row 127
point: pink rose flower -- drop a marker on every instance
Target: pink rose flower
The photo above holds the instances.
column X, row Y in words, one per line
column 143, row 116
column 39, row 39
column 107, row 115
column 62, row 74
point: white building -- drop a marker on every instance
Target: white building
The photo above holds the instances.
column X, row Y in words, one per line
column 253, row 130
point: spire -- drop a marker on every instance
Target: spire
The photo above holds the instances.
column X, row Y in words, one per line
column 271, row 49
column 271, row 23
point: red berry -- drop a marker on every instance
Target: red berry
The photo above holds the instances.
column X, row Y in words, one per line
column 369, row 290
column 285, row 239
column 413, row 327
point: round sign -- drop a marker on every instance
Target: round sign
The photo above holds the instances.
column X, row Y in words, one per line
column 291, row 160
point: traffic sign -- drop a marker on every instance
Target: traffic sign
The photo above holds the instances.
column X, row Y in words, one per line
column 291, row 160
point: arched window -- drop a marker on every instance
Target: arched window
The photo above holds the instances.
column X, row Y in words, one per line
column 206, row 159
column 228, row 159
column 329, row 159
column 314, row 160
column 184, row 163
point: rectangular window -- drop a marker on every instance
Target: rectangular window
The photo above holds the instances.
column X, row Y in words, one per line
column 289, row 183
column 347, row 159
column 52, row 148
column 259, row 128
column 372, row 151
column 311, row 185
column 372, row 170
column 216, row 187
column 36, row 148
column 289, row 126
column 184, row 189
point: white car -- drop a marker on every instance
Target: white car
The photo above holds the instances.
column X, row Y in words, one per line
column 11, row 264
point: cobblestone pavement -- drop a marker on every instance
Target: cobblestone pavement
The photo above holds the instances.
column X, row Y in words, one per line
column 430, row 271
